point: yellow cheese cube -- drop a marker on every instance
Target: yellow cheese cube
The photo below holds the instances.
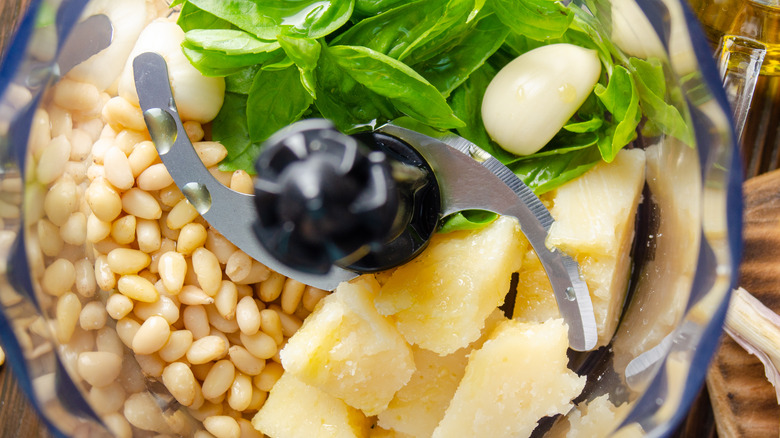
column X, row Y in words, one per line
column 440, row 300
column 518, row 376
column 350, row 351
column 296, row 410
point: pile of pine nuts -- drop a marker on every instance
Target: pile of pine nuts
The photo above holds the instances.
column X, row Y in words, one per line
column 135, row 278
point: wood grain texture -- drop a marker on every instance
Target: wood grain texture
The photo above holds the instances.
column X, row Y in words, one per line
column 743, row 401
column 17, row 416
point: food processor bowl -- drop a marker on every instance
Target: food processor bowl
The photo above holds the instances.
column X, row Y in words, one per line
column 685, row 252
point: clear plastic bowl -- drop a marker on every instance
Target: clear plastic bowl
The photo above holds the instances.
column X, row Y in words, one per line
column 686, row 249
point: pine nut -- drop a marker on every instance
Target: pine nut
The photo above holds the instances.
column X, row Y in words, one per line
column 207, row 270
column 248, row 316
column 137, row 288
column 118, row 425
column 155, row 177
column 107, row 340
column 127, row 261
column 178, row 343
column 207, row 349
column 272, row 325
column 75, row 96
column 61, row 200
column 118, row 171
column 118, row 306
column 222, row 426
column 260, row 345
column 107, row 399
column 49, row 238
column 148, row 235
column 93, row 316
column 268, row 377
column 80, row 145
column 103, row 200
column 191, row 237
column 139, row 203
column 240, row 395
column 104, row 276
column 221, row 324
column 196, row 321
column 178, row 378
column 312, row 296
column 97, row 229
column 291, row 295
column 53, row 158
column 194, row 130
column 238, row 266
column 99, row 368
column 142, row 156
column 227, row 299
column 150, row 364
column 166, row 245
column 123, row 230
column 180, row 215
column 290, row 323
column 151, row 336
column 61, row 121
column 165, row 307
column 241, row 182
column 58, row 277
column 221, row 247
column 119, row 113
column 68, row 309
column 271, row 288
column 219, row 379
column 210, row 152
column 85, row 278
column 127, row 139
column 126, row 328
column 100, row 148
column 40, row 132
column 171, row 195
column 244, row 361
column 193, row 296
column 74, row 230
column 143, row 412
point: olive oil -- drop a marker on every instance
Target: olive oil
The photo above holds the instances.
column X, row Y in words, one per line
column 758, row 20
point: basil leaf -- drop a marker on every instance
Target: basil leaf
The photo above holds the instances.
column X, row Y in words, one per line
column 397, row 32
column 537, row 19
column 349, row 105
column 218, row 63
column 374, row 7
column 230, row 128
column 467, row 220
column 651, row 87
column 304, row 53
column 590, row 125
column 276, row 99
column 268, row 18
column 245, row 161
column 409, row 92
column 621, row 99
column 451, row 68
column 547, row 172
column 229, row 41
column 241, row 81
column 191, row 17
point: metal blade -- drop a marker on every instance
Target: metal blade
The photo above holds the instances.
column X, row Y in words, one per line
column 493, row 187
column 231, row 213
column 86, row 39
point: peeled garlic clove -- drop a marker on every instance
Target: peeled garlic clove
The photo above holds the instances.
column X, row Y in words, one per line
column 198, row 98
column 532, row 97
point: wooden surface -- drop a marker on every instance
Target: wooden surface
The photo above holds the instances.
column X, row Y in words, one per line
column 743, row 400
column 17, row 416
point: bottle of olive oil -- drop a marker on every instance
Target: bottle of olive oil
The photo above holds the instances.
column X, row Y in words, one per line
column 758, row 20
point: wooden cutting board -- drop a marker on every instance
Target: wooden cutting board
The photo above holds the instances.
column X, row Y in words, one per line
column 743, row 401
